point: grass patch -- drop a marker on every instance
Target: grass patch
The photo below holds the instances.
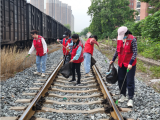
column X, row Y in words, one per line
column 155, row 71
column 140, row 66
column 149, row 50
column 13, row 61
column 111, row 43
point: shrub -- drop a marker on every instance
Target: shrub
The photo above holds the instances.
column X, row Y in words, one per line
column 151, row 28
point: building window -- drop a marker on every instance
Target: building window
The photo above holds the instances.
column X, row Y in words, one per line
column 132, row 3
column 138, row 18
column 138, row 4
column 138, row 11
column 150, row 7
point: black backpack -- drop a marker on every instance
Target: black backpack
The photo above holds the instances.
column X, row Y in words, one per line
column 112, row 77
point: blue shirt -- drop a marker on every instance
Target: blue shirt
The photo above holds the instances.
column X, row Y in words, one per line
column 78, row 52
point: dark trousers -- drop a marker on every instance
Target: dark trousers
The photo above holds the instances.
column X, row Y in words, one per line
column 77, row 67
column 129, row 81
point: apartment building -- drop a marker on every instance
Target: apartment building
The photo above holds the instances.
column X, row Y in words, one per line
column 45, row 11
column 56, row 9
column 72, row 23
column 38, row 3
column 60, row 12
column 49, row 8
column 141, row 7
column 41, row 5
column 69, row 15
column 34, row 2
column 64, row 13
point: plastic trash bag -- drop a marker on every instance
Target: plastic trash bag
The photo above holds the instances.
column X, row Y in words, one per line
column 112, row 76
column 108, row 72
column 93, row 61
column 67, row 59
column 66, row 70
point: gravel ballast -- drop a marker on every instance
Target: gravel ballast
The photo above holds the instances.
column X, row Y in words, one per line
column 146, row 100
column 12, row 88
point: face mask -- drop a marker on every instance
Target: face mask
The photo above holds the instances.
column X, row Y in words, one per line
column 125, row 37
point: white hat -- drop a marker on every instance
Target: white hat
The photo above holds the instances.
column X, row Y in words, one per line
column 121, row 32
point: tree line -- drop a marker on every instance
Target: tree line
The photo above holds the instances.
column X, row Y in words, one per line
column 108, row 15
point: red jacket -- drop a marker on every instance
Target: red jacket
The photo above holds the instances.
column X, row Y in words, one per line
column 88, row 47
column 125, row 52
column 74, row 50
column 38, row 46
column 65, row 52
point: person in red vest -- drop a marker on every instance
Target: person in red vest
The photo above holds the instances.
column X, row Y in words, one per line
column 127, row 53
column 88, row 52
column 41, row 47
column 65, row 41
column 76, row 58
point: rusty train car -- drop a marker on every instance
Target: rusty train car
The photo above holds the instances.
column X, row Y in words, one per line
column 18, row 18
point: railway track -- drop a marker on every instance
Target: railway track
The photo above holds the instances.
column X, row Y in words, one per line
column 90, row 98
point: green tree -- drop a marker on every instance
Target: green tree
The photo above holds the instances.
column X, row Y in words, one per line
column 68, row 26
column 94, row 10
column 77, row 33
column 155, row 5
column 151, row 27
column 73, row 32
column 109, row 14
column 84, row 31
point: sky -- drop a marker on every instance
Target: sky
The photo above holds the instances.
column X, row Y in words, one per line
column 79, row 10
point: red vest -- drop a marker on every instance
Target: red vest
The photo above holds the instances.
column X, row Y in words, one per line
column 88, row 47
column 65, row 52
column 74, row 50
column 125, row 52
column 38, row 46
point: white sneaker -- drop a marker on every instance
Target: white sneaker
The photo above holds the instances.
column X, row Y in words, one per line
column 122, row 99
column 130, row 103
column 43, row 75
column 37, row 73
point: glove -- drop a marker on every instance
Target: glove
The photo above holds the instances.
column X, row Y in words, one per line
column 28, row 55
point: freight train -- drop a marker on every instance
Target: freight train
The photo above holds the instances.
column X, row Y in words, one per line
column 18, row 18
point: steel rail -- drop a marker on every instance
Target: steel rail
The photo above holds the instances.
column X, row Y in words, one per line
column 28, row 113
column 116, row 111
